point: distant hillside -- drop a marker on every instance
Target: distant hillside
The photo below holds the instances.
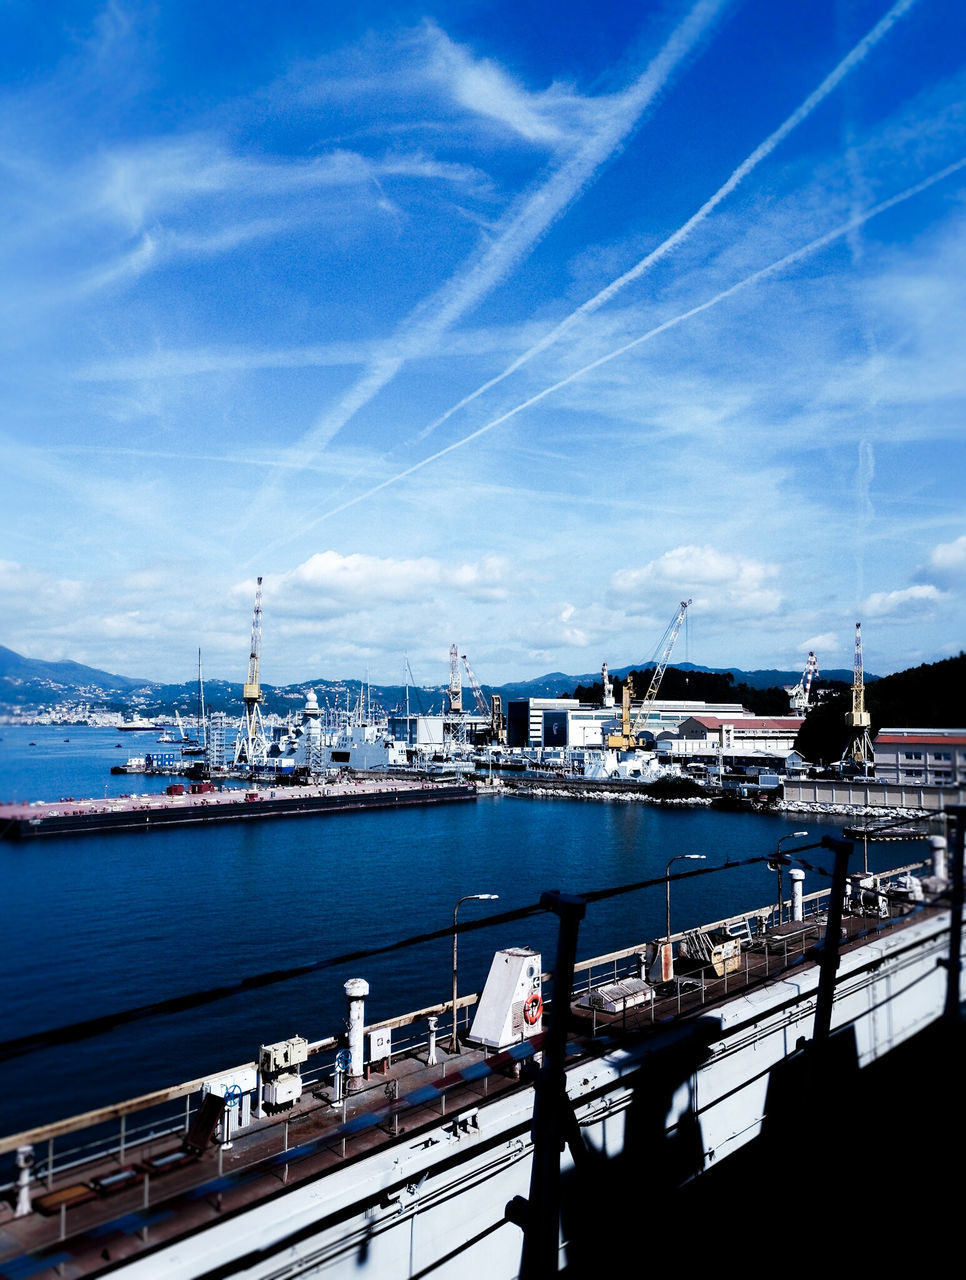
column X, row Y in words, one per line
column 32, row 685
column 30, row 682
column 932, row 696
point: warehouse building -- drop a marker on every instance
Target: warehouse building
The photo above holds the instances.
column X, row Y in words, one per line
column 920, row 757
column 556, row 723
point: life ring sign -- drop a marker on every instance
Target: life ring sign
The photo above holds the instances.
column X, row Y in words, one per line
column 532, row 1009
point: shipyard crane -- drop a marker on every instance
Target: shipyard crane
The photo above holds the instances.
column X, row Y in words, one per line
column 482, row 706
column 251, row 747
column 627, row 739
column 492, row 710
column 455, row 691
column 858, row 751
column 798, row 696
column 457, row 723
column 608, row 687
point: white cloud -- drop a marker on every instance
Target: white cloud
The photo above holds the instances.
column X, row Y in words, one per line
column 548, row 117
column 948, row 560
column 716, row 581
column 826, row 643
column 909, row 602
column 330, row 581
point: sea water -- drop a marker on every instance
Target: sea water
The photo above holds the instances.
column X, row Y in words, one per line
column 94, row 925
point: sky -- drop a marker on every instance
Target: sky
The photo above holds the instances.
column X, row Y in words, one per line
column 502, row 325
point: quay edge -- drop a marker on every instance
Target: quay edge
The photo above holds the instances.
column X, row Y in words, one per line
column 203, row 808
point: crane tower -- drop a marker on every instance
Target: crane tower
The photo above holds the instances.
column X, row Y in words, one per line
column 798, row 696
column 627, row 739
column 492, row 711
column 251, row 746
column 858, row 752
column 455, row 691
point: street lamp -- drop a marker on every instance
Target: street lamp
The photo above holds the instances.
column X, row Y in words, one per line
column 470, row 897
column 686, row 857
column 776, row 865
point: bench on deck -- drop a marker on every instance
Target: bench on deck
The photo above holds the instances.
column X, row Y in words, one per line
column 64, row 1197
column 129, row 1175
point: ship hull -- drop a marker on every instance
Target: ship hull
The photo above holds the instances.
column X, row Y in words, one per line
column 653, row 1115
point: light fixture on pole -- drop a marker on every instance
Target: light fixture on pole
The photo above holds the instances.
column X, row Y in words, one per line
column 776, row 865
column 470, row 897
column 686, row 857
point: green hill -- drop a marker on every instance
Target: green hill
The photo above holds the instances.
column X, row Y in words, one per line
column 932, row 696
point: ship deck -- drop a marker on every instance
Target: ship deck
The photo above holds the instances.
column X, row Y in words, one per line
column 87, row 1219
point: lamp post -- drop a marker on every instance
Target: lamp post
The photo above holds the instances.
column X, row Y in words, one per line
column 470, row 897
column 686, row 857
column 777, row 866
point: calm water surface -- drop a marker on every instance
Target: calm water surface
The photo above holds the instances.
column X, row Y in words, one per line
column 96, row 925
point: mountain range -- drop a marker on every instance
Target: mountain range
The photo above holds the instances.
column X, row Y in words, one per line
column 32, row 685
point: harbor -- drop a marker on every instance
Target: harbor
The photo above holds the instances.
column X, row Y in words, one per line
column 268, row 1100
column 317, row 1154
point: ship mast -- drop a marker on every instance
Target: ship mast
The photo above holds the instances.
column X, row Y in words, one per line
column 202, row 727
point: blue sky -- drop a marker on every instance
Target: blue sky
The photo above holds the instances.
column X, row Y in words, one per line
column 472, row 324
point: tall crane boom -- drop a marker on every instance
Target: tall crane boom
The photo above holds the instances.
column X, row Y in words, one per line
column 626, row 740
column 251, row 745
column 858, row 752
column 455, row 681
column 643, row 715
column 482, row 706
column 252, row 691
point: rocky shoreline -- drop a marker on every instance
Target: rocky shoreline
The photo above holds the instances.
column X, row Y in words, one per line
column 635, row 793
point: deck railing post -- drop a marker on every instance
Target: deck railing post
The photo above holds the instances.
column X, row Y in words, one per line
column 954, row 963
column 540, row 1214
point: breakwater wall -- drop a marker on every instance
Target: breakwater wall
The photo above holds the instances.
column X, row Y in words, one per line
column 861, row 793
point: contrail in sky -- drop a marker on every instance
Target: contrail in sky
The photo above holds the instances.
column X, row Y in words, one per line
column 773, row 268
column 865, row 45
column 523, row 228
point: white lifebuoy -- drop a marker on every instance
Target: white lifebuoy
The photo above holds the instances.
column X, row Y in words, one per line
column 532, row 1009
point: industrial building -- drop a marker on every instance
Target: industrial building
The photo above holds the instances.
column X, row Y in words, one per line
column 922, row 757
column 552, row 723
column 708, row 738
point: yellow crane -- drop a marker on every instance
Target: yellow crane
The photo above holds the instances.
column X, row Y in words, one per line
column 627, row 739
column 251, row 746
column 858, row 753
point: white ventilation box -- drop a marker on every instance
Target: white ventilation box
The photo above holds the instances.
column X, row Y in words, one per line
column 283, row 1091
column 511, row 1006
